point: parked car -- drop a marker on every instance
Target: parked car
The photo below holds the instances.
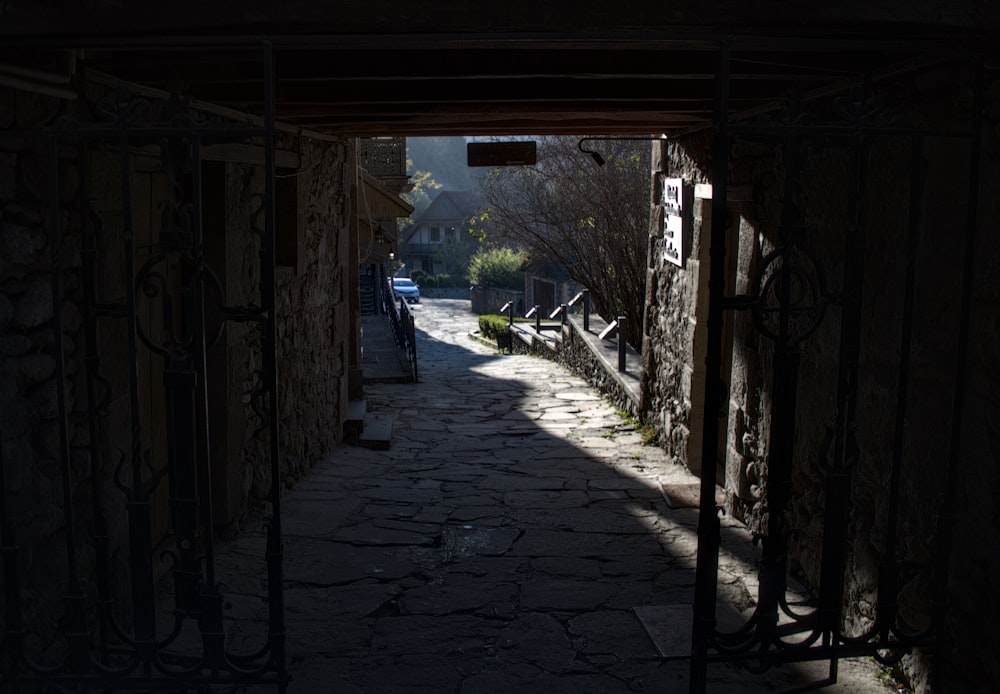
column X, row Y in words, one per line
column 405, row 287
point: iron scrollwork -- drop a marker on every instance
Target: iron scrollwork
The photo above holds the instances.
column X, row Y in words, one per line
column 789, row 300
column 171, row 305
column 807, row 293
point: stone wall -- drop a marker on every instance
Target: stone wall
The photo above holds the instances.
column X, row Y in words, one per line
column 574, row 352
column 445, row 293
column 312, row 323
column 486, row 300
column 30, row 442
column 938, row 99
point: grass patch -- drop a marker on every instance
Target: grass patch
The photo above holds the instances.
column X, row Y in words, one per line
column 648, row 434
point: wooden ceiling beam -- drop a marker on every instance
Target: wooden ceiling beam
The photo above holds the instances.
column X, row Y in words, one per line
column 335, row 65
column 514, row 91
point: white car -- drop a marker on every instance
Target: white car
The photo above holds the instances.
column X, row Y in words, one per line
column 404, row 287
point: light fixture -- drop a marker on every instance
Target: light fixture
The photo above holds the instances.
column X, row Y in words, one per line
column 392, row 254
column 597, row 155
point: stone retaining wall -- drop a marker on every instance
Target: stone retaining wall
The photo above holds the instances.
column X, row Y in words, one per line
column 486, row 300
column 577, row 353
column 445, row 292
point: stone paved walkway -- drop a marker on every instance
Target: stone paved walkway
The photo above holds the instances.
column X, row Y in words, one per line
column 500, row 545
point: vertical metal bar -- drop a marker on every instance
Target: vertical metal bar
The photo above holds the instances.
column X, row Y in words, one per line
column 76, row 631
column 946, row 517
column 709, row 533
column 92, row 361
column 413, row 348
column 210, row 599
column 784, row 379
column 538, row 320
column 13, row 651
column 138, row 506
column 888, row 582
column 846, row 451
column 180, row 384
column 275, row 545
column 622, row 324
column 586, row 310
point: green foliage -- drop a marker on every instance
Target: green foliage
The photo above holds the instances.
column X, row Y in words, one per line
column 491, row 325
column 478, row 225
column 420, row 194
column 498, row 268
column 428, row 281
column 454, row 255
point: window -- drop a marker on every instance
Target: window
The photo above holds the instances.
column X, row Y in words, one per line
column 435, row 235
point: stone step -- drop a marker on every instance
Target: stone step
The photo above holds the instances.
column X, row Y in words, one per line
column 354, row 421
column 377, row 433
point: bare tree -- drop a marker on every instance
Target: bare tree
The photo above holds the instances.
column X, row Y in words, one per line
column 592, row 219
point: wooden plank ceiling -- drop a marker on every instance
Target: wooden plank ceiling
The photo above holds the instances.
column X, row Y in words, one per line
column 430, row 68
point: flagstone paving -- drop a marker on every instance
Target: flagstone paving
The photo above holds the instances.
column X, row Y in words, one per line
column 502, row 543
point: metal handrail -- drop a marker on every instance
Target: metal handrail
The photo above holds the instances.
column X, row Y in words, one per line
column 614, row 329
column 404, row 332
column 409, row 333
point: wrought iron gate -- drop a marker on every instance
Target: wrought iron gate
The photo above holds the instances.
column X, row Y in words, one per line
column 132, row 613
column 793, row 294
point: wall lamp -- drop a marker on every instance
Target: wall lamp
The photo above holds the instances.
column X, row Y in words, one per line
column 597, row 155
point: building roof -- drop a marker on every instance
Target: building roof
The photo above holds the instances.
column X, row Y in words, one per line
column 543, row 266
column 451, row 205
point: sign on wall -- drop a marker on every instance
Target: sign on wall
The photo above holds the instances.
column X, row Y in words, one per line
column 674, row 213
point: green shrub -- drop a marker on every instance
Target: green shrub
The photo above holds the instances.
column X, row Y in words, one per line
column 491, row 325
column 429, row 281
column 498, row 268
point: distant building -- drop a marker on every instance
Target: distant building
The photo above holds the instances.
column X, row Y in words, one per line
column 446, row 219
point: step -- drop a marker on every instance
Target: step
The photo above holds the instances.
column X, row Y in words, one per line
column 377, row 433
column 354, row 421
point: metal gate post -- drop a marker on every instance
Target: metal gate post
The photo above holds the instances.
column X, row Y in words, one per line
column 709, row 532
column 275, row 546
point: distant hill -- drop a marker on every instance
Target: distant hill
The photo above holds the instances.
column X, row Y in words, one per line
column 445, row 159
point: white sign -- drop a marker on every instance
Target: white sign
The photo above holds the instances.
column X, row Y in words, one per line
column 673, row 221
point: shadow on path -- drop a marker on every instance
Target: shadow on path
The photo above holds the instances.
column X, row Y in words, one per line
column 501, row 545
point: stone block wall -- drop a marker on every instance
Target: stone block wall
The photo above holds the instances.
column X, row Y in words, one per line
column 486, row 300
column 668, row 360
column 30, row 439
column 313, row 326
column 573, row 352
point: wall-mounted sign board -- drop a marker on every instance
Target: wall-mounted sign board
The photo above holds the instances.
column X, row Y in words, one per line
column 512, row 153
column 675, row 213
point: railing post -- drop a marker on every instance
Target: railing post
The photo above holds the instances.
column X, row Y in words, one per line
column 564, row 309
column 586, row 310
column 621, row 343
column 538, row 320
